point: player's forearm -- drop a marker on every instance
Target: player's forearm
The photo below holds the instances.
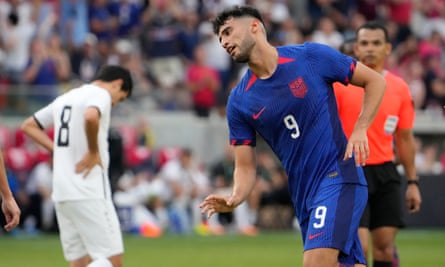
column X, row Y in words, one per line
column 243, row 182
column 5, row 192
column 406, row 152
column 33, row 130
column 374, row 91
column 374, row 85
column 92, row 130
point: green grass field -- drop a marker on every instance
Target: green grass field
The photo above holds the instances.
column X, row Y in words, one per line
column 417, row 248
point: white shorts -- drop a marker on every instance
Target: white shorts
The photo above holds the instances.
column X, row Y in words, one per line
column 89, row 227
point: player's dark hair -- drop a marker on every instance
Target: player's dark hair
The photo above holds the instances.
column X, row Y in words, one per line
column 13, row 18
column 109, row 73
column 374, row 25
column 235, row 12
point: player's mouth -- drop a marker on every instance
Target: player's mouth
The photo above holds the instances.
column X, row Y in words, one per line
column 231, row 50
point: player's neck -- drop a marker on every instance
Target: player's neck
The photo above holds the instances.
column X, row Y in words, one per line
column 100, row 84
column 263, row 61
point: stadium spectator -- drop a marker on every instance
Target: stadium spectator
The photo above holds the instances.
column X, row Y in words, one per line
column 127, row 15
column 117, row 166
column 216, row 58
column 326, row 33
column 187, row 185
column 40, row 212
column 203, row 83
column 414, row 77
column 127, row 55
column 16, row 38
column 60, row 57
column 145, row 134
column 275, row 209
column 100, row 20
column 44, row 16
column 428, row 159
column 160, row 45
column 428, row 17
column 269, row 101
column 435, row 85
column 89, row 227
column 141, row 205
column 393, row 123
column 73, row 23
column 240, row 220
column 189, row 36
column 287, row 33
column 85, row 61
column 44, row 73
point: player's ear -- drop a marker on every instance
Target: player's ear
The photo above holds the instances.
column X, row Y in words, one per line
column 255, row 25
column 118, row 84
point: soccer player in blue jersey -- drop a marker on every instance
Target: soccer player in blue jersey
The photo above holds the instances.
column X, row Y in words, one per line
column 286, row 96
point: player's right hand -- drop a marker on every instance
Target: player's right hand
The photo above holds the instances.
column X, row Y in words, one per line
column 215, row 204
column 88, row 162
column 357, row 145
column 12, row 213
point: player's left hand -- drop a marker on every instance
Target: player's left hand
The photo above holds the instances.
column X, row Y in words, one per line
column 88, row 162
column 413, row 198
column 357, row 145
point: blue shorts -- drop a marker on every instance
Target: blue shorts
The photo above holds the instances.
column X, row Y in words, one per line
column 335, row 213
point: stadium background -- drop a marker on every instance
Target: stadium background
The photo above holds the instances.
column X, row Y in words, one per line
column 79, row 36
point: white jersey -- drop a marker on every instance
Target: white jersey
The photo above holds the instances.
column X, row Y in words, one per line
column 66, row 114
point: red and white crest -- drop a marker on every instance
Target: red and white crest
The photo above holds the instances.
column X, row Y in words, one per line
column 298, row 87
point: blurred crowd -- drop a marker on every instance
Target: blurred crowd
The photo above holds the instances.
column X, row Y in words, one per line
column 48, row 47
column 155, row 190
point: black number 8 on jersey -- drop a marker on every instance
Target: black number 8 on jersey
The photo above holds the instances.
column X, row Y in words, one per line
column 63, row 133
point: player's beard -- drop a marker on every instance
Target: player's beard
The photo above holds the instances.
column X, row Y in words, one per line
column 244, row 51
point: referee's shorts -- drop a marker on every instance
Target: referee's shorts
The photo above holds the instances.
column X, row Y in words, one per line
column 384, row 206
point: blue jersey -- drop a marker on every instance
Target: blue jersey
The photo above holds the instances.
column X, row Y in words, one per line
column 295, row 112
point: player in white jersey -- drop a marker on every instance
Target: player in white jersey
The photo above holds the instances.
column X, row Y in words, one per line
column 88, row 224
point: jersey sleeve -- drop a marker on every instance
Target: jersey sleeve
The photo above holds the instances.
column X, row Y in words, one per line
column 99, row 99
column 44, row 116
column 240, row 132
column 407, row 113
column 330, row 63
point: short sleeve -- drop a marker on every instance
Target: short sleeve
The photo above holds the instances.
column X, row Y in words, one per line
column 407, row 113
column 44, row 116
column 332, row 65
column 100, row 99
column 240, row 131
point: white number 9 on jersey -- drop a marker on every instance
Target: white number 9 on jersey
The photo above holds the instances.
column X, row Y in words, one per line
column 292, row 124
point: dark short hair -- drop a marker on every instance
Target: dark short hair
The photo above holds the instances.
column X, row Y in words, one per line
column 13, row 18
column 235, row 12
column 374, row 25
column 109, row 73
